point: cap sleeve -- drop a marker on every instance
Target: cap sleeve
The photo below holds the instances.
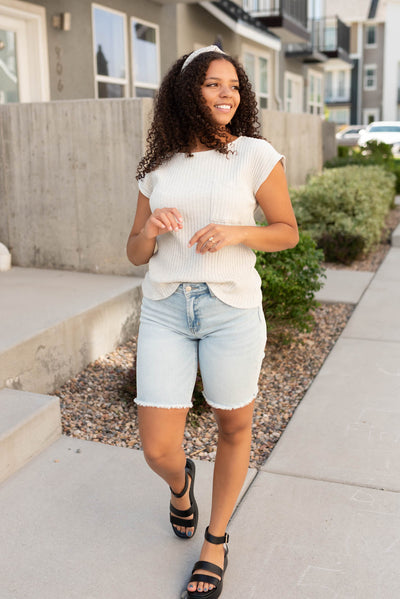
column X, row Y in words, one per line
column 146, row 185
column 265, row 160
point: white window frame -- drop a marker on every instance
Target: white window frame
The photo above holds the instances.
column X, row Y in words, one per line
column 297, row 80
column 123, row 81
column 375, row 44
column 136, row 83
column 318, row 107
column 370, row 111
column 256, row 85
column 335, row 96
column 366, row 67
column 33, row 67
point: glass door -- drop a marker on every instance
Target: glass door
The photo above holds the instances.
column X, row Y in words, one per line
column 9, row 86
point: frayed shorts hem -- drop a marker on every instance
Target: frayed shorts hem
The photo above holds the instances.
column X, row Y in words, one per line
column 146, row 404
column 218, row 406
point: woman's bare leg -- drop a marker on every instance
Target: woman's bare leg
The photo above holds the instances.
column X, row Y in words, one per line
column 231, row 465
column 161, row 432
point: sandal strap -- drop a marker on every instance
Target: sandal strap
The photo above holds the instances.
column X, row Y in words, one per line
column 181, row 521
column 209, row 567
column 181, row 513
column 216, row 540
column 185, row 488
column 205, row 578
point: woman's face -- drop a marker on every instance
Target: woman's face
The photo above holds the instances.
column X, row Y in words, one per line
column 220, row 90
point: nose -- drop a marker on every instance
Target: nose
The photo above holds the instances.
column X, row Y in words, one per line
column 225, row 90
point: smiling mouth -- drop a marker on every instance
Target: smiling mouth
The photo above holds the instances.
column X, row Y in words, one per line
column 224, row 107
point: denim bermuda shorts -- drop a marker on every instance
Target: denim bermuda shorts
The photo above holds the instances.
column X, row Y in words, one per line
column 192, row 328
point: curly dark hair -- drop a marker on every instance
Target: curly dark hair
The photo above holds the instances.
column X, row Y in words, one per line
column 181, row 115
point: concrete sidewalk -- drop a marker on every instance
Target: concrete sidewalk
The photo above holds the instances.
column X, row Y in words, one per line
column 321, row 520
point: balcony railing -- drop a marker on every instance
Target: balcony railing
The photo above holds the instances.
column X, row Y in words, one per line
column 294, row 9
column 329, row 37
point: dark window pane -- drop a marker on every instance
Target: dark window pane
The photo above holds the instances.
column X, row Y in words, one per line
column 145, row 54
column 143, row 92
column 110, row 90
column 109, row 43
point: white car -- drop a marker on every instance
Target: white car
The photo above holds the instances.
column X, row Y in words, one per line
column 387, row 132
column 348, row 136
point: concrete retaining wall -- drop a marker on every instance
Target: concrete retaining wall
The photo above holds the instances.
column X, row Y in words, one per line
column 306, row 141
column 67, row 183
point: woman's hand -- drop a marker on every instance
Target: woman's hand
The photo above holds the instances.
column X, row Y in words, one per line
column 162, row 220
column 213, row 237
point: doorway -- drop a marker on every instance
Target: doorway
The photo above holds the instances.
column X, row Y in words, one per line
column 24, row 73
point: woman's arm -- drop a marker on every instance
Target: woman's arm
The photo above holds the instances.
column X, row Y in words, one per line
column 147, row 226
column 280, row 234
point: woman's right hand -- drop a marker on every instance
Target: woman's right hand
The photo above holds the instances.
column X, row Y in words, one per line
column 162, row 220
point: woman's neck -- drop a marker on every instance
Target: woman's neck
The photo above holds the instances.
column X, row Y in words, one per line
column 200, row 147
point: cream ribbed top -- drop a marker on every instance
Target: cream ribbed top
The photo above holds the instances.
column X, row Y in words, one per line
column 209, row 187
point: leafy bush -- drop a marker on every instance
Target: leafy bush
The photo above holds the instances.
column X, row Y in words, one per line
column 289, row 280
column 375, row 153
column 344, row 209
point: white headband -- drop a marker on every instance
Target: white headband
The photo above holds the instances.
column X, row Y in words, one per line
column 196, row 53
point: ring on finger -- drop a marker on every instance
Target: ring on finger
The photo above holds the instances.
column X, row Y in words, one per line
column 210, row 238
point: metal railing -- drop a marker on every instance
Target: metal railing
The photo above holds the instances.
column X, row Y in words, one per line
column 329, row 34
column 293, row 9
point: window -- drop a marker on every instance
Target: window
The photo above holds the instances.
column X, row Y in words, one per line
column 293, row 93
column 337, row 85
column 340, row 116
column 370, row 37
column 111, row 73
column 257, row 69
column 315, row 93
column 145, row 58
column 370, row 76
column 328, row 85
column 330, row 38
column 341, row 84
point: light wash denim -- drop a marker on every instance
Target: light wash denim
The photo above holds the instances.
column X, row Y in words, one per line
column 193, row 327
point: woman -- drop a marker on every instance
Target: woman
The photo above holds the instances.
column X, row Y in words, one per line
column 205, row 170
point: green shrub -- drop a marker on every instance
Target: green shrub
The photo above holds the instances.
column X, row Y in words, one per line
column 375, row 153
column 289, row 280
column 343, row 151
column 344, row 209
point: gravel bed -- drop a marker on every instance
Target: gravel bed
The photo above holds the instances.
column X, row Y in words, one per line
column 97, row 405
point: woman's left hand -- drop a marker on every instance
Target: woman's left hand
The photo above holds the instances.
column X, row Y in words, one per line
column 213, row 237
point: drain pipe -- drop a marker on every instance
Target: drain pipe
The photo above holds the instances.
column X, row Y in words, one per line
column 278, row 98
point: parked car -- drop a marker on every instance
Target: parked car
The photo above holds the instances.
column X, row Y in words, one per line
column 348, row 136
column 387, row 132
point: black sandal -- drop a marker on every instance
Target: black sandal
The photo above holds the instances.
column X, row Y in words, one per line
column 213, row 593
column 177, row 515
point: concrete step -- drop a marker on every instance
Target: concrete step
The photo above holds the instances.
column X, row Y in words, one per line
column 29, row 423
column 56, row 322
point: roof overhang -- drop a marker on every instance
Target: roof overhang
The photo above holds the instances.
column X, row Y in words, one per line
column 243, row 29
